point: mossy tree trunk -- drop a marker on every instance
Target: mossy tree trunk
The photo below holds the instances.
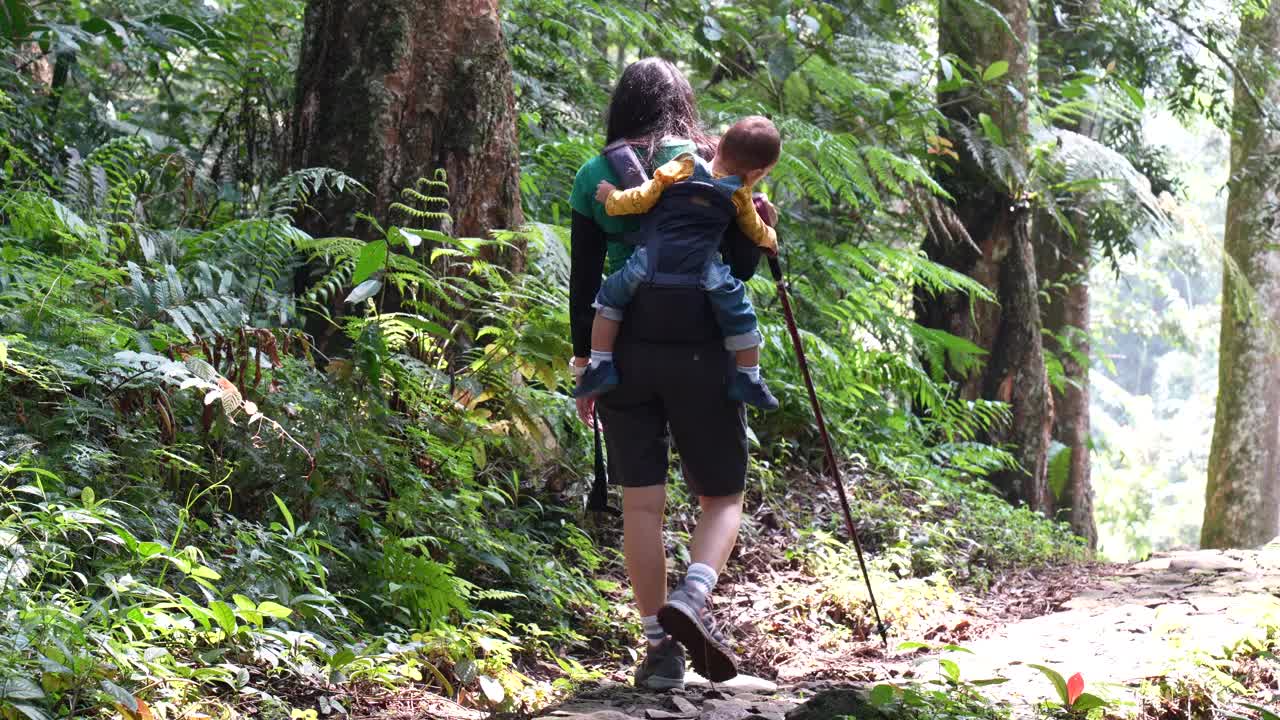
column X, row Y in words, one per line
column 1063, row 264
column 388, row 91
column 1242, row 499
column 995, row 247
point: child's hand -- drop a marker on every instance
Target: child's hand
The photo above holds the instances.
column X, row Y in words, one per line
column 604, row 189
column 771, row 252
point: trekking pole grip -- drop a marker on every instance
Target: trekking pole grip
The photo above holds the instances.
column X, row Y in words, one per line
column 775, row 268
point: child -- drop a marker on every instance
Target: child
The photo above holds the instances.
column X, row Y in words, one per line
column 692, row 203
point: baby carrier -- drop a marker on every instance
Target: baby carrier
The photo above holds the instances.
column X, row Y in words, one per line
column 682, row 234
column 691, row 217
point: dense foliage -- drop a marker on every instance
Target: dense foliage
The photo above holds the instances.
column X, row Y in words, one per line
column 198, row 510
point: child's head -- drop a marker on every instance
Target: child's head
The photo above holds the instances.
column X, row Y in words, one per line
column 750, row 148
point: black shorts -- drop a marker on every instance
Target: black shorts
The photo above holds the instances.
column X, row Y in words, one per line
column 682, row 387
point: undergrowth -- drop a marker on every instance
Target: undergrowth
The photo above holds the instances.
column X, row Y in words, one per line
column 243, row 469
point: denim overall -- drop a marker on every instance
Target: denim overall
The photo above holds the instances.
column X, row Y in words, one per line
column 679, row 246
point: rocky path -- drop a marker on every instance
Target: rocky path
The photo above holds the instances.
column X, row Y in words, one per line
column 1123, row 627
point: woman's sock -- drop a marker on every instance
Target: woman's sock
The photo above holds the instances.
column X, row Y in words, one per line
column 751, row 371
column 653, row 631
column 598, row 357
column 702, row 576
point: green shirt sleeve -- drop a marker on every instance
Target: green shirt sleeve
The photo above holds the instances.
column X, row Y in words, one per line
column 583, row 196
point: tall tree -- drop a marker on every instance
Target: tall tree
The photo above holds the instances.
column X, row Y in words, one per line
column 1242, row 500
column 388, row 91
column 1063, row 263
column 988, row 237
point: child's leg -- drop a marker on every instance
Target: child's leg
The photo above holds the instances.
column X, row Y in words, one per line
column 737, row 320
column 604, row 333
column 734, row 314
column 614, row 296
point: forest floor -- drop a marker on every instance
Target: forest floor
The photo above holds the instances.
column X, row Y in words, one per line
column 1126, row 628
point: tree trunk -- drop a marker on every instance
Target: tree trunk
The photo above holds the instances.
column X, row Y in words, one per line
column 1063, row 263
column 1242, row 499
column 995, row 249
column 389, row 91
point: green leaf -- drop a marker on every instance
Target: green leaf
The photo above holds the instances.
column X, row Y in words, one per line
column 373, row 256
column 15, row 19
column 87, row 496
column 948, row 71
column 120, row 695
column 284, row 510
column 1059, row 682
column 364, row 291
column 274, row 609
column 1086, row 702
column 149, row 549
column 883, row 695
column 1135, row 95
column 31, row 711
column 203, row 571
column 224, row 616
column 489, row 558
column 1059, row 467
column 950, row 669
column 782, row 62
column 342, row 658
column 4, row 352
column 1263, row 712
column 243, row 603
column 995, row 70
column 990, row 129
column 19, row 689
column 711, row 29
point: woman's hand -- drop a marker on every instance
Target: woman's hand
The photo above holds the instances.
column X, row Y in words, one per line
column 586, row 411
column 768, row 213
column 587, row 405
column 603, row 190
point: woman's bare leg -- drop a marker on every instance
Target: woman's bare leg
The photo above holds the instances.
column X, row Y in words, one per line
column 717, row 530
column 643, row 512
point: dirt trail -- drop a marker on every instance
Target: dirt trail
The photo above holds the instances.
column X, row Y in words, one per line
column 1121, row 627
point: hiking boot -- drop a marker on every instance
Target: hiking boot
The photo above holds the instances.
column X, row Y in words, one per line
column 662, row 667
column 597, row 380
column 687, row 619
column 743, row 389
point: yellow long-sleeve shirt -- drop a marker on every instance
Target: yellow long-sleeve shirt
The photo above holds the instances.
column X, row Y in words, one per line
column 641, row 199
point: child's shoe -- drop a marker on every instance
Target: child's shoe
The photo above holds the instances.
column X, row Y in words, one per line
column 752, row 392
column 597, row 380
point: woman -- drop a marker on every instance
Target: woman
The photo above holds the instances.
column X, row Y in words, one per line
column 673, row 370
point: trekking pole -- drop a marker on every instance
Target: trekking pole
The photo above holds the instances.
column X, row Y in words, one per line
column 776, row 269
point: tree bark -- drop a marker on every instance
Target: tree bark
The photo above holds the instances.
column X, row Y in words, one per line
column 389, row 91
column 1063, row 263
column 1242, row 499
column 997, row 250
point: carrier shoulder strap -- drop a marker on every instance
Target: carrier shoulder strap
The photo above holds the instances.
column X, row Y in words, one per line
column 625, row 163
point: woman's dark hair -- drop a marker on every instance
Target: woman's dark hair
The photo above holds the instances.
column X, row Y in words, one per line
column 653, row 100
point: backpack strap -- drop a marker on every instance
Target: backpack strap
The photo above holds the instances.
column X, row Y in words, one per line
column 624, row 161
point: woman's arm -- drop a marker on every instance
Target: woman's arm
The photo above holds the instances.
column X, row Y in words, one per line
column 586, row 266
